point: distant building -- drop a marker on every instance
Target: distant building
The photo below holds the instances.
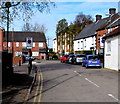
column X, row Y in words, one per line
column 17, row 44
column 54, row 45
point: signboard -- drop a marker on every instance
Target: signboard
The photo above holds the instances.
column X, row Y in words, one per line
column 29, row 42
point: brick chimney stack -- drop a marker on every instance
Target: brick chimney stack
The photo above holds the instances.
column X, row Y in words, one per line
column 112, row 10
column 98, row 17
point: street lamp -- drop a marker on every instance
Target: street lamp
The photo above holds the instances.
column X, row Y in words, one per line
column 8, row 5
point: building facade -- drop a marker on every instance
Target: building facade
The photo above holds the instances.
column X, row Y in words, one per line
column 17, row 44
column 112, row 50
column 55, row 45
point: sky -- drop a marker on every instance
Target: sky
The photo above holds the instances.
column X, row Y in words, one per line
column 67, row 10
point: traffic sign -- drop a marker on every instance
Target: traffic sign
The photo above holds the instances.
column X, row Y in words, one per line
column 29, row 42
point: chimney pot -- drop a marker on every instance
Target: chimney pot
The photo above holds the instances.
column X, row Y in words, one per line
column 98, row 17
column 112, row 10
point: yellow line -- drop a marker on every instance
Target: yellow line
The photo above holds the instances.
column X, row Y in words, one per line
column 37, row 91
column 41, row 87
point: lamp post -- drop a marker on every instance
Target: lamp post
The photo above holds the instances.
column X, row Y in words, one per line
column 8, row 5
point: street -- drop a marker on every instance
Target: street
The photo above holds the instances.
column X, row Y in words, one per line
column 61, row 82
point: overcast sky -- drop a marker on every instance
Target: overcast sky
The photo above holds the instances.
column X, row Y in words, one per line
column 67, row 10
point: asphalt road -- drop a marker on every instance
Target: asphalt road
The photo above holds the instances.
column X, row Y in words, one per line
column 74, row 83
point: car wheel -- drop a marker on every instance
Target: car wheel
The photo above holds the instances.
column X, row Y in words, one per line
column 86, row 66
column 82, row 65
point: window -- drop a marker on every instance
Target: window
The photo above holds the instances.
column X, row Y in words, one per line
column 17, row 44
column 24, row 44
column 108, row 46
column 8, row 44
column 33, row 44
column 35, row 53
column 18, row 53
column 40, row 44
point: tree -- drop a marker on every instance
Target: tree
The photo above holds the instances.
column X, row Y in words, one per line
column 36, row 27
column 24, row 10
column 61, row 26
column 60, row 31
column 82, row 19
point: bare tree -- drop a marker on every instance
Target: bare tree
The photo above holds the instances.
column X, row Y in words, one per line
column 22, row 10
column 36, row 28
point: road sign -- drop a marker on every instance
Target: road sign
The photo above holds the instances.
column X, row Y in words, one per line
column 29, row 42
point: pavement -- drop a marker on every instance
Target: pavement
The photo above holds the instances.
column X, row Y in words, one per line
column 16, row 88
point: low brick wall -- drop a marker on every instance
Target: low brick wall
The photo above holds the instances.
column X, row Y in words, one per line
column 17, row 60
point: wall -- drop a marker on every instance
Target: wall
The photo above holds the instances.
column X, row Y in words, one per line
column 55, row 45
column 1, row 39
column 84, row 44
column 111, row 58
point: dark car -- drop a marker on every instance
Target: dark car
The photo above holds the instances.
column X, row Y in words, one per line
column 91, row 60
column 70, row 59
column 78, row 58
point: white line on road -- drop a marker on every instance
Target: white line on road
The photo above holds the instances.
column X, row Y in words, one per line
column 113, row 97
column 91, row 82
column 87, row 79
column 77, row 73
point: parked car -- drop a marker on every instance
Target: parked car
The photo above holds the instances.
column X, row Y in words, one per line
column 91, row 60
column 63, row 58
column 78, row 58
column 70, row 58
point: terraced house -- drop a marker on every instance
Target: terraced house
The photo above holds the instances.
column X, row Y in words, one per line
column 18, row 45
column 89, row 39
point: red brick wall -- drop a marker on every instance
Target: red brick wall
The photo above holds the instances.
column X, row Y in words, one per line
column 1, row 39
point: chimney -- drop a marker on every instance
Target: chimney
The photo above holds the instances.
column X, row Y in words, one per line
column 112, row 11
column 98, row 17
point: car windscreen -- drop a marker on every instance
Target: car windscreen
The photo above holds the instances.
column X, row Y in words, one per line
column 80, row 56
column 93, row 58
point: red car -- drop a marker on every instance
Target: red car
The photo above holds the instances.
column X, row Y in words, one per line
column 63, row 58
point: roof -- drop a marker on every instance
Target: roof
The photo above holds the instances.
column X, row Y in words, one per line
column 19, row 36
column 90, row 29
column 114, row 24
column 54, row 39
column 113, row 33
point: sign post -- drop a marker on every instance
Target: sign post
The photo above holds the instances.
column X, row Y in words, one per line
column 29, row 42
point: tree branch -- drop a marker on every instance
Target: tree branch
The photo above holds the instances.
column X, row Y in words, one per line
column 11, row 5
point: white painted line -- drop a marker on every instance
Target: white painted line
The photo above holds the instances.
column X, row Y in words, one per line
column 113, row 97
column 91, row 82
column 77, row 73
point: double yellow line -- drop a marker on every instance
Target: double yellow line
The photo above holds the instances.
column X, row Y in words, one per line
column 38, row 93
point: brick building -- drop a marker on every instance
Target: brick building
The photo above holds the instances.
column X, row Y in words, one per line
column 17, row 44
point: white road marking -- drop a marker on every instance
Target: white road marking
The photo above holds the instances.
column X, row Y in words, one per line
column 77, row 73
column 113, row 97
column 91, row 82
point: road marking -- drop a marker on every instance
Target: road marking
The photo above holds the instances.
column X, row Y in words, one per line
column 113, row 97
column 77, row 73
column 41, row 87
column 91, row 82
column 37, row 89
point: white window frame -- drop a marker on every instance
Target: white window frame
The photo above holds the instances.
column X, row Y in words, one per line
column 9, row 44
column 109, row 46
column 41, row 44
column 33, row 44
column 17, row 44
column 24, row 44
